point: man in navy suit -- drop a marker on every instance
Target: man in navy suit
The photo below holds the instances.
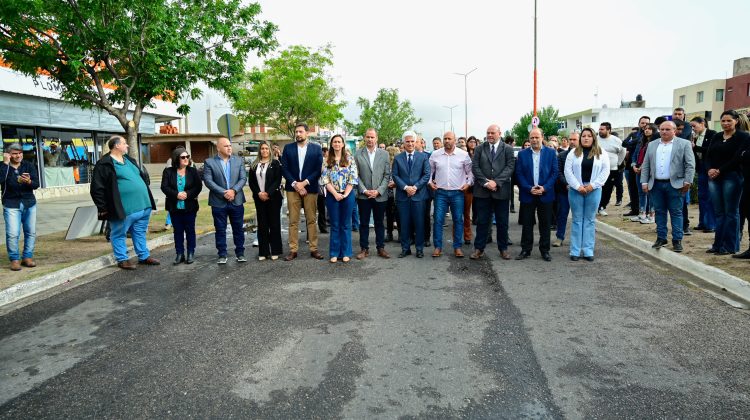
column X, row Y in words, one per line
column 411, row 173
column 536, row 173
column 301, row 164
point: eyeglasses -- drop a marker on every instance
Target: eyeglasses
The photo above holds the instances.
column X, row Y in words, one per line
column 185, row 157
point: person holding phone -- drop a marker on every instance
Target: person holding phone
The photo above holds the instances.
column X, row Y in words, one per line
column 20, row 179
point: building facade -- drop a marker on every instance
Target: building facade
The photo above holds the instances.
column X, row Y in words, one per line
column 705, row 99
column 622, row 119
column 738, row 87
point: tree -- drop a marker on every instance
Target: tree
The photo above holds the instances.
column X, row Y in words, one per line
column 119, row 55
column 549, row 123
column 386, row 114
column 293, row 87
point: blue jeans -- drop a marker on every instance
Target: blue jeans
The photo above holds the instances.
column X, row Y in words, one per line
column 706, row 216
column 644, row 200
column 184, row 231
column 355, row 213
column 563, row 208
column 583, row 222
column 726, row 192
column 340, row 214
column 666, row 198
column 378, row 212
column 15, row 219
column 137, row 224
column 453, row 200
column 486, row 209
column 236, row 216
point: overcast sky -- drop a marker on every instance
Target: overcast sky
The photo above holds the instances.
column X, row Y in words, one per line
column 617, row 48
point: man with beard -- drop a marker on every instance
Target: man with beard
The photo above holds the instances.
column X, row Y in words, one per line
column 613, row 146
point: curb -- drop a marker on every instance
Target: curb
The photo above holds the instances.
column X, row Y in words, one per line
column 705, row 272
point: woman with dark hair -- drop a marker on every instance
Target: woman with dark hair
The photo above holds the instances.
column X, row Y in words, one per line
column 264, row 182
column 646, row 214
column 471, row 144
column 725, row 182
column 586, row 171
column 339, row 177
column 181, row 184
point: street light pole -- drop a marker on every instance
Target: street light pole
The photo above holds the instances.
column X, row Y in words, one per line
column 466, row 101
column 535, row 58
column 451, row 108
column 443, row 121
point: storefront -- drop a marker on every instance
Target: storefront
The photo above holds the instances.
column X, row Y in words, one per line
column 62, row 140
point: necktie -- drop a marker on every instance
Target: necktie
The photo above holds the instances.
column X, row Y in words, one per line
column 409, row 161
column 492, row 152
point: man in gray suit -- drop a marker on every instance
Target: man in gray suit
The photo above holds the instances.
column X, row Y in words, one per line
column 492, row 166
column 225, row 176
column 666, row 174
column 374, row 169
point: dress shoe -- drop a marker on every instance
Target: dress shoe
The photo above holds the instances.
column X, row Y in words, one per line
column 419, row 254
column 437, row 253
column 315, row 254
column 477, row 255
column 15, row 265
column 505, row 255
column 700, row 227
column 179, row 259
column 659, row 243
column 427, row 243
column 458, row 253
column 677, row 246
column 712, row 250
column 546, row 256
column 149, row 261
column 126, row 265
column 190, row 258
column 322, row 230
column 574, row 258
column 292, row 255
column 709, row 230
column 523, row 255
column 467, row 241
column 589, row 259
column 364, row 253
column 389, row 237
column 382, row 253
column 28, row 262
column 404, row 253
column 743, row 256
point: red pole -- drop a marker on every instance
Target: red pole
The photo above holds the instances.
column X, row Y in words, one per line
column 535, row 58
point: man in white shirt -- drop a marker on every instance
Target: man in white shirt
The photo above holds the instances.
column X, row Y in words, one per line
column 613, row 146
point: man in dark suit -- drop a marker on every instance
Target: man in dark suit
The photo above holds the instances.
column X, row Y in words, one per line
column 701, row 140
column 536, row 174
column 301, row 164
column 374, row 169
column 411, row 173
column 492, row 165
column 225, row 176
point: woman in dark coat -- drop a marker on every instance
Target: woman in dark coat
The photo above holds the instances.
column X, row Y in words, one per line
column 182, row 184
column 264, row 180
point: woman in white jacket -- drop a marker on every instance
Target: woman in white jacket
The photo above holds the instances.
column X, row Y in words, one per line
column 586, row 171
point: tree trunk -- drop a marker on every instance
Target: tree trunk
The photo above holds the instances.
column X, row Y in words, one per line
column 132, row 138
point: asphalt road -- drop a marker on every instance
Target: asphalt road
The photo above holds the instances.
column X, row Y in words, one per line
column 434, row 338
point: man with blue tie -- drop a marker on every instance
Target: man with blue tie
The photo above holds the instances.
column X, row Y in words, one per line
column 536, row 174
column 411, row 173
column 301, row 165
column 225, row 176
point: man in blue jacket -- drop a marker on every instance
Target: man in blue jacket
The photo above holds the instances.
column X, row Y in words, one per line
column 411, row 173
column 536, row 173
column 19, row 206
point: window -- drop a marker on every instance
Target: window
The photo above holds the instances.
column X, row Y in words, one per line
column 24, row 135
column 68, row 157
column 719, row 95
column 699, row 97
column 682, row 100
column 593, row 118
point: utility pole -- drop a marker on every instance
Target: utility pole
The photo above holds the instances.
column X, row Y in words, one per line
column 535, row 76
column 466, row 101
column 451, row 108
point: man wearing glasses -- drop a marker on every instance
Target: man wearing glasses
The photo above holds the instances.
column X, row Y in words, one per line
column 20, row 179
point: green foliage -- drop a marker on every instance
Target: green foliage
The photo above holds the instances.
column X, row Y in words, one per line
column 119, row 55
column 386, row 114
column 549, row 123
column 293, row 87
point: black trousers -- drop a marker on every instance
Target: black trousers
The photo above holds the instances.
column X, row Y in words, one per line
column 607, row 189
column 633, row 192
column 618, row 185
column 543, row 212
column 268, row 214
column 391, row 215
column 322, row 212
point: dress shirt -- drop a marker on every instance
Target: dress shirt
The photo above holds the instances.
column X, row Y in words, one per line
column 260, row 175
column 451, row 171
column 227, row 170
column 663, row 157
column 301, row 153
column 371, row 155
column 535, row 158
column 699, row 142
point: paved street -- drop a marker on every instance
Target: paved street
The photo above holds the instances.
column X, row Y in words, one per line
column 433, row 338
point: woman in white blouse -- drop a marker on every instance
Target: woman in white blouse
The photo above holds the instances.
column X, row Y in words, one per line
column 264, row 181
column 586, row 171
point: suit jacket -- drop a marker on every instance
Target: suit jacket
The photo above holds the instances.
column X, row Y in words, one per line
column 193, row 187
column 272, row 181
column 681, row 165
column 213, row 177
column 375, row 177
column 418, row 177
column 484, row 169
column 547, row 174
column 702, row 150
column 311, row 167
